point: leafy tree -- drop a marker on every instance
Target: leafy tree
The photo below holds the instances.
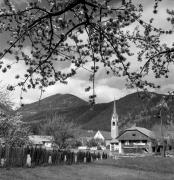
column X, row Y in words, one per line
column 13, row 131
column 92, row 143
column 95, row 142
column 76, row 144
column 82, row 32
column 61, row 130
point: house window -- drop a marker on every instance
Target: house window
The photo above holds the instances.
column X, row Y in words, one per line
column 133, row 134
column 113, row 123
column 127, row 143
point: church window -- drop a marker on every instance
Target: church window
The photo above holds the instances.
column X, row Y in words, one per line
column 113, row 123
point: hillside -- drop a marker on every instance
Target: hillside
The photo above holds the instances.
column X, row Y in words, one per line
column 55, row 102
column 131, row 109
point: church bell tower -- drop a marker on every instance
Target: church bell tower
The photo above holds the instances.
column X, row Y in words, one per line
column 114, row 123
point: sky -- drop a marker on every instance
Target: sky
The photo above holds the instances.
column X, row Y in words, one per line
column 109, row 87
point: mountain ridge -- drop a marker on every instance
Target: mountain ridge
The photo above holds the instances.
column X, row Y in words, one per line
column 129, row 109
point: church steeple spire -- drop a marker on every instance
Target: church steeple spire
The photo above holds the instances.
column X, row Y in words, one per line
column 114, row 122
column 114, row 109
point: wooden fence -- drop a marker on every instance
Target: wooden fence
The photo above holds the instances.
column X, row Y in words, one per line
column 17, row 157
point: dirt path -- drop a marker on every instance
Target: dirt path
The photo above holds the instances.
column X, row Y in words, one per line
column 80, row 172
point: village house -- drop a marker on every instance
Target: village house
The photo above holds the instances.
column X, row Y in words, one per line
column 136, row 140
column 42, row 141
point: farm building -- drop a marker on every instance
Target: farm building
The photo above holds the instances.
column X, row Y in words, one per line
column 42, row 141
column 136, row 140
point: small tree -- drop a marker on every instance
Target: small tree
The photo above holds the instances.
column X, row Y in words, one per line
column 61, row 130
column 92, row 143
column 95, row 142
column 13, row 130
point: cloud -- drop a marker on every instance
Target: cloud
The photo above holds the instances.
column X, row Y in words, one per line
column 107, row 94
column 77, row 87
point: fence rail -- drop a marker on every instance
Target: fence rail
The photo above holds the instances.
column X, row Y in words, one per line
column 32, row 156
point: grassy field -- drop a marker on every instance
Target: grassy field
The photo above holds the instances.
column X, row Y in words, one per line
column 100, row 170
column 148, row 163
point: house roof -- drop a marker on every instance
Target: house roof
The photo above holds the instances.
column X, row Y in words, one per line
column 37, row 139
column 144, row 131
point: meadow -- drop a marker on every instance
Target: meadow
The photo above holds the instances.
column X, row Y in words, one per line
column 140, row 168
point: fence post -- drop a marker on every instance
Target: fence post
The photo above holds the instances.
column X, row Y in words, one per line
column 75, row 158
column 50, row 160
column 65, row 158
column 28, row 162
column 84, row 159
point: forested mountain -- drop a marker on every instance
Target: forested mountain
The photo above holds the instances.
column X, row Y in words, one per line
column 132, row 109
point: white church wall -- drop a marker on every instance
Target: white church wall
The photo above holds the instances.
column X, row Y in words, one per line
column 98, row 135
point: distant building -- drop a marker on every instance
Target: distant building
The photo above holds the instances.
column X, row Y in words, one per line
column 103, row 135
column 42, row 141
column 136, row 140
